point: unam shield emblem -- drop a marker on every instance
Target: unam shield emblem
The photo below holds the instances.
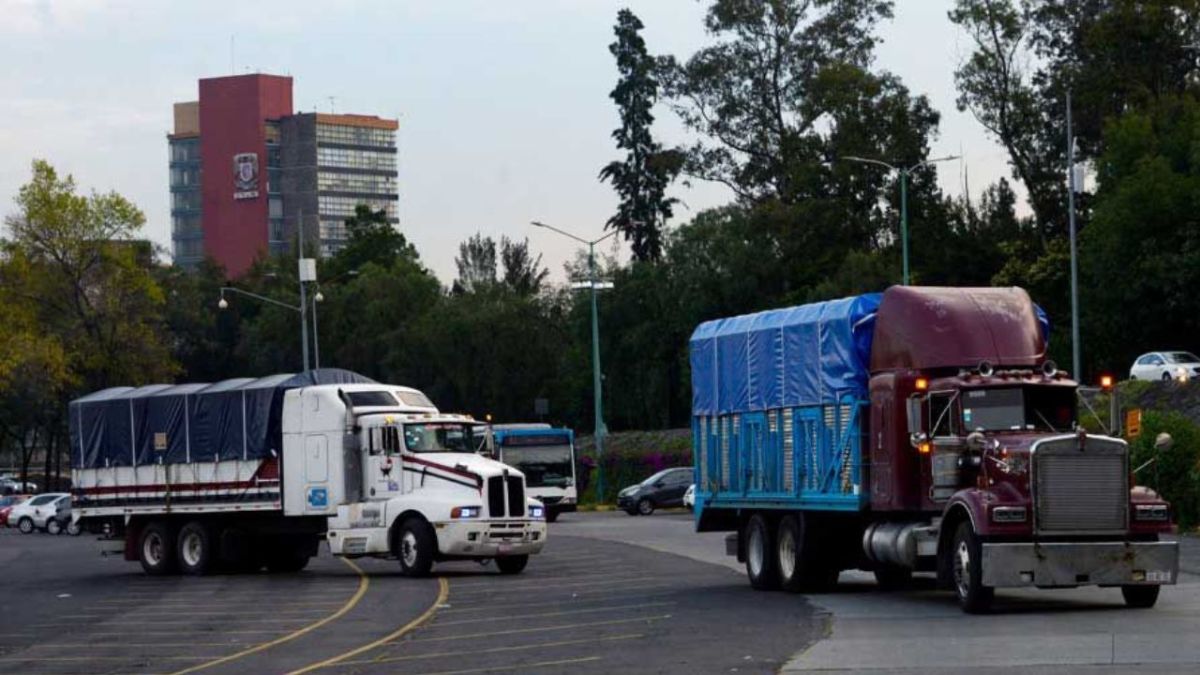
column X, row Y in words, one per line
column 245, row 171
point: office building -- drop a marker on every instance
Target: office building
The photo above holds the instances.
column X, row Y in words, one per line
column 246, row 171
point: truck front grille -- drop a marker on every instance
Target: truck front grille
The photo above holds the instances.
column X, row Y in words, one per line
column 1081, row 490
column 495, row 496
column 516, row 496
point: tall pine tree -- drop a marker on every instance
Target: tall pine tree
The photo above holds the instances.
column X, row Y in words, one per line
column 642, row 178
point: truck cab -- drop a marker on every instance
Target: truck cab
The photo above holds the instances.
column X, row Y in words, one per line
column 411, row 484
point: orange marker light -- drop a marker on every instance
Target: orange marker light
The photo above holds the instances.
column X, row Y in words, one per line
column 1106, row 382
column 922, row 384
column 925, row 448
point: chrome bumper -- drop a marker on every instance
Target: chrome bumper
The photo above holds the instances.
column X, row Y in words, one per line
column 488, row 539
column 1080, row 564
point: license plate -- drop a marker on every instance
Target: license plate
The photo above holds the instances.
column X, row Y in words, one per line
column 504, row 548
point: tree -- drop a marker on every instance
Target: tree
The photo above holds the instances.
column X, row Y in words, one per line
column 91, row 301
column 476, row 263
column 523, row 274
column 641, row 180
column 371, row 238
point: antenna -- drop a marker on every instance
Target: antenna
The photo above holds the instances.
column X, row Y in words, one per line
column 332, row 101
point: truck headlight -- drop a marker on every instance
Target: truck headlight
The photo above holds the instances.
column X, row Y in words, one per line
column 1009, row 514
column 1154, row 512
column 465, row 512
column 537, row 512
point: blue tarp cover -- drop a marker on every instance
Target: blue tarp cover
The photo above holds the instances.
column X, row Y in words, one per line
column 228, row 420
column 808, row 355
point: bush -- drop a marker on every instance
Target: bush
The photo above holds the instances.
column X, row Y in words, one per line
column 629, row 457
column 1174, row 474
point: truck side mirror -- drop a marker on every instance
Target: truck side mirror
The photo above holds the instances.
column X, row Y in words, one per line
column 914, row 414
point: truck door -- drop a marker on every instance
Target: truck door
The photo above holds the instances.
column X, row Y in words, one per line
column 382, row 468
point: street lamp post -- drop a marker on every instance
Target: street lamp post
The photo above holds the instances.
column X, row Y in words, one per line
column 301, row 309
column 904, row 173
column 596, row 285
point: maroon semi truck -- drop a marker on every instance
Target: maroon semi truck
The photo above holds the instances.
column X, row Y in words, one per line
column 922, row 429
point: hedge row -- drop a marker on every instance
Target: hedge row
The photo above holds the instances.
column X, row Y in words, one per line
column 629, row 457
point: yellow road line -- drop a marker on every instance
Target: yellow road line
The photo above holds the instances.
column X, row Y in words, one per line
column 443, row 593
column 520, row 666
column 543, row 629
column 363, row 583
column 493, row 650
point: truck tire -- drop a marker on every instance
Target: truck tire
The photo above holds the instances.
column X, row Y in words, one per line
column 416, row 544
column 514, row 564
column 74, row 529
column 1140, row 597
column 800, row 563
column 197, row 549
column 966, row 571
column 156, row 549
column 762, row 567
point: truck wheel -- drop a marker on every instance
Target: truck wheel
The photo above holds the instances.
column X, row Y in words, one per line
column 513, row 564
column 74, row 528
column 415, row 547
column 645, row 507
column 892, row 578
column 967, row 571
column 156, row 549
column 762, row 568
column 25, row 525
column 798, row 561
column 53, row 526
column 196, row 554
column 1140, row 597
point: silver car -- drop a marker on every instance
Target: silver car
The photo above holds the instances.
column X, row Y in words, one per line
column 50, row 512
column 1181, row 366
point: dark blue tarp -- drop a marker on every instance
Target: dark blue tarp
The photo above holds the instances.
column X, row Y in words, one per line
column 173, row 424
column 807, row 355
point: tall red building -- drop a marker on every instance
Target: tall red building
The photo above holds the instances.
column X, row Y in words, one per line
column 246, row 172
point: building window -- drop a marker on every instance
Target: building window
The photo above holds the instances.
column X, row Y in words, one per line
column 187, row 200
column 346, row 206
column 275, row 207
column 185, row 150
column 329, row 181
column 185, row 176
column 356, row 159
column 351, row 135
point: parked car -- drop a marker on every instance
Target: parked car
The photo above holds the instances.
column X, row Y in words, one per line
column 1165, row 366
column 9, row 485
column 6, row 505
column 663, row 489
column 50, row 512
column 689, row 497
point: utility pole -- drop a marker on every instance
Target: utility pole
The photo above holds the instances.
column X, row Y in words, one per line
column 301, row 273
column 904, row 173
column 597, row 406
column 1075, row 350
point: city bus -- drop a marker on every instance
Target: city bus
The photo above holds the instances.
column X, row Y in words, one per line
column 546, row 455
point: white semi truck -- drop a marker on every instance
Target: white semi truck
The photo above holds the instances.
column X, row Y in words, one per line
column 248, row 473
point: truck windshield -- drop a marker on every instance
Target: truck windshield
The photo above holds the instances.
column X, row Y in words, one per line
column 543, row 465
column 1019, row 409
column 440, row 437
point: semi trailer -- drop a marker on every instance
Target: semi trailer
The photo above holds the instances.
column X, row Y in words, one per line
column 256, row 472
column 921, row 429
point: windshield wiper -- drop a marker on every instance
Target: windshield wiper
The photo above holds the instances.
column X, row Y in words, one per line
column 1044, row 420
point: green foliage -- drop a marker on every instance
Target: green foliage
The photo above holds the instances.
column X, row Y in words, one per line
column 1175, row 473
column 629, row 458
column 641, row 180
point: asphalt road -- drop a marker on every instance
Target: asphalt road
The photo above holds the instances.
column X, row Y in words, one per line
column 586, row 605
column 921, row 630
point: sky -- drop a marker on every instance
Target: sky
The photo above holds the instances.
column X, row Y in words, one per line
column 503, row 106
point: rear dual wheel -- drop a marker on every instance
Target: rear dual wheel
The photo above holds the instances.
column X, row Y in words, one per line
column 801, row 565
column 197, row 549
column 156, row 549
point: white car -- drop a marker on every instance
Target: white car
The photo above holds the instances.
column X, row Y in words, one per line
column 1181, row 366
column 689, row 497
column 10, row 485
column 50, row 512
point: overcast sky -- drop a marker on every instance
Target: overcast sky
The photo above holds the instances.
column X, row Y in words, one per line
column 503, row 105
